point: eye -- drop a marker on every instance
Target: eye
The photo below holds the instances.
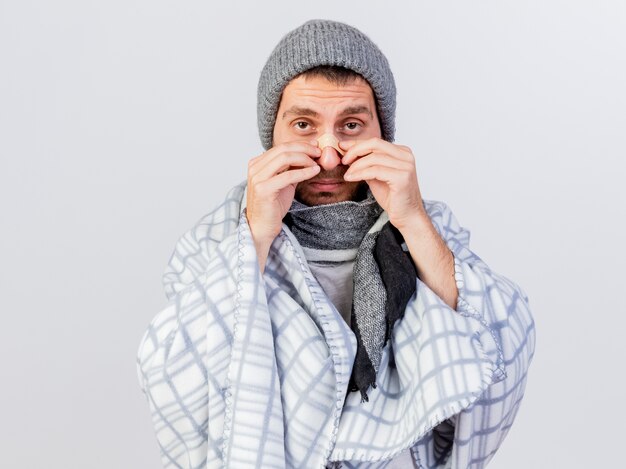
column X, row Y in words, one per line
column 352, row 126
column 302, row 125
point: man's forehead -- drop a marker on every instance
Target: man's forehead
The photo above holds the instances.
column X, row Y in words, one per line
column 310, row 95
column 349, row 110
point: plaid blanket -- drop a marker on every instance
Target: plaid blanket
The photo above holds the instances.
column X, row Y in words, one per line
column 243, row 370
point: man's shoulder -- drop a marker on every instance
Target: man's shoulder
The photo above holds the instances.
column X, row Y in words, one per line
column 443, row 219
column 229, row 208
column 435, row 206
column 195, row 248
column 438, row 211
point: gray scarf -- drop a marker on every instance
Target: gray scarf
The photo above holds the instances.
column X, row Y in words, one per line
column 384, row 275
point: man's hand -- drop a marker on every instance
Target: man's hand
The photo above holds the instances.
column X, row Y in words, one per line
column 272, row 180
column 389, row 171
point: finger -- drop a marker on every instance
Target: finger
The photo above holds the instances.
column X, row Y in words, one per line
column 301, row 147
column 256, row 159
column 280, row 163
column 293, row 176
column 293, row 147
column 380, row 173
column 364, row 147
column 354, row 149
column 380, row 159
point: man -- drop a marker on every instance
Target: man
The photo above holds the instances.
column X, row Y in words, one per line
column 325, row 315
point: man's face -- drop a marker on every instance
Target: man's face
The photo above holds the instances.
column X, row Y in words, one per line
column 313, row 106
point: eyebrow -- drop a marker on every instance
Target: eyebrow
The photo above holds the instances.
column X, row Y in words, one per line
column 305, row 111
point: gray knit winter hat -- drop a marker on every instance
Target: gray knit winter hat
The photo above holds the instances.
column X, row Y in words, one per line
column 324, row 42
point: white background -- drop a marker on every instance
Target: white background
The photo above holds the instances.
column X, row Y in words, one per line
column 123, row 122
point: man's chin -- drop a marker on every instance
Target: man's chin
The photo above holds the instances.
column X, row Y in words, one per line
column 324, row 198
column 311, row 197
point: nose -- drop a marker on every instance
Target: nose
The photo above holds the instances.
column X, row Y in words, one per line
column 329, row 159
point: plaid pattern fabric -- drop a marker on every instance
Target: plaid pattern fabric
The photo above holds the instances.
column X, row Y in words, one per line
column 242, row 370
